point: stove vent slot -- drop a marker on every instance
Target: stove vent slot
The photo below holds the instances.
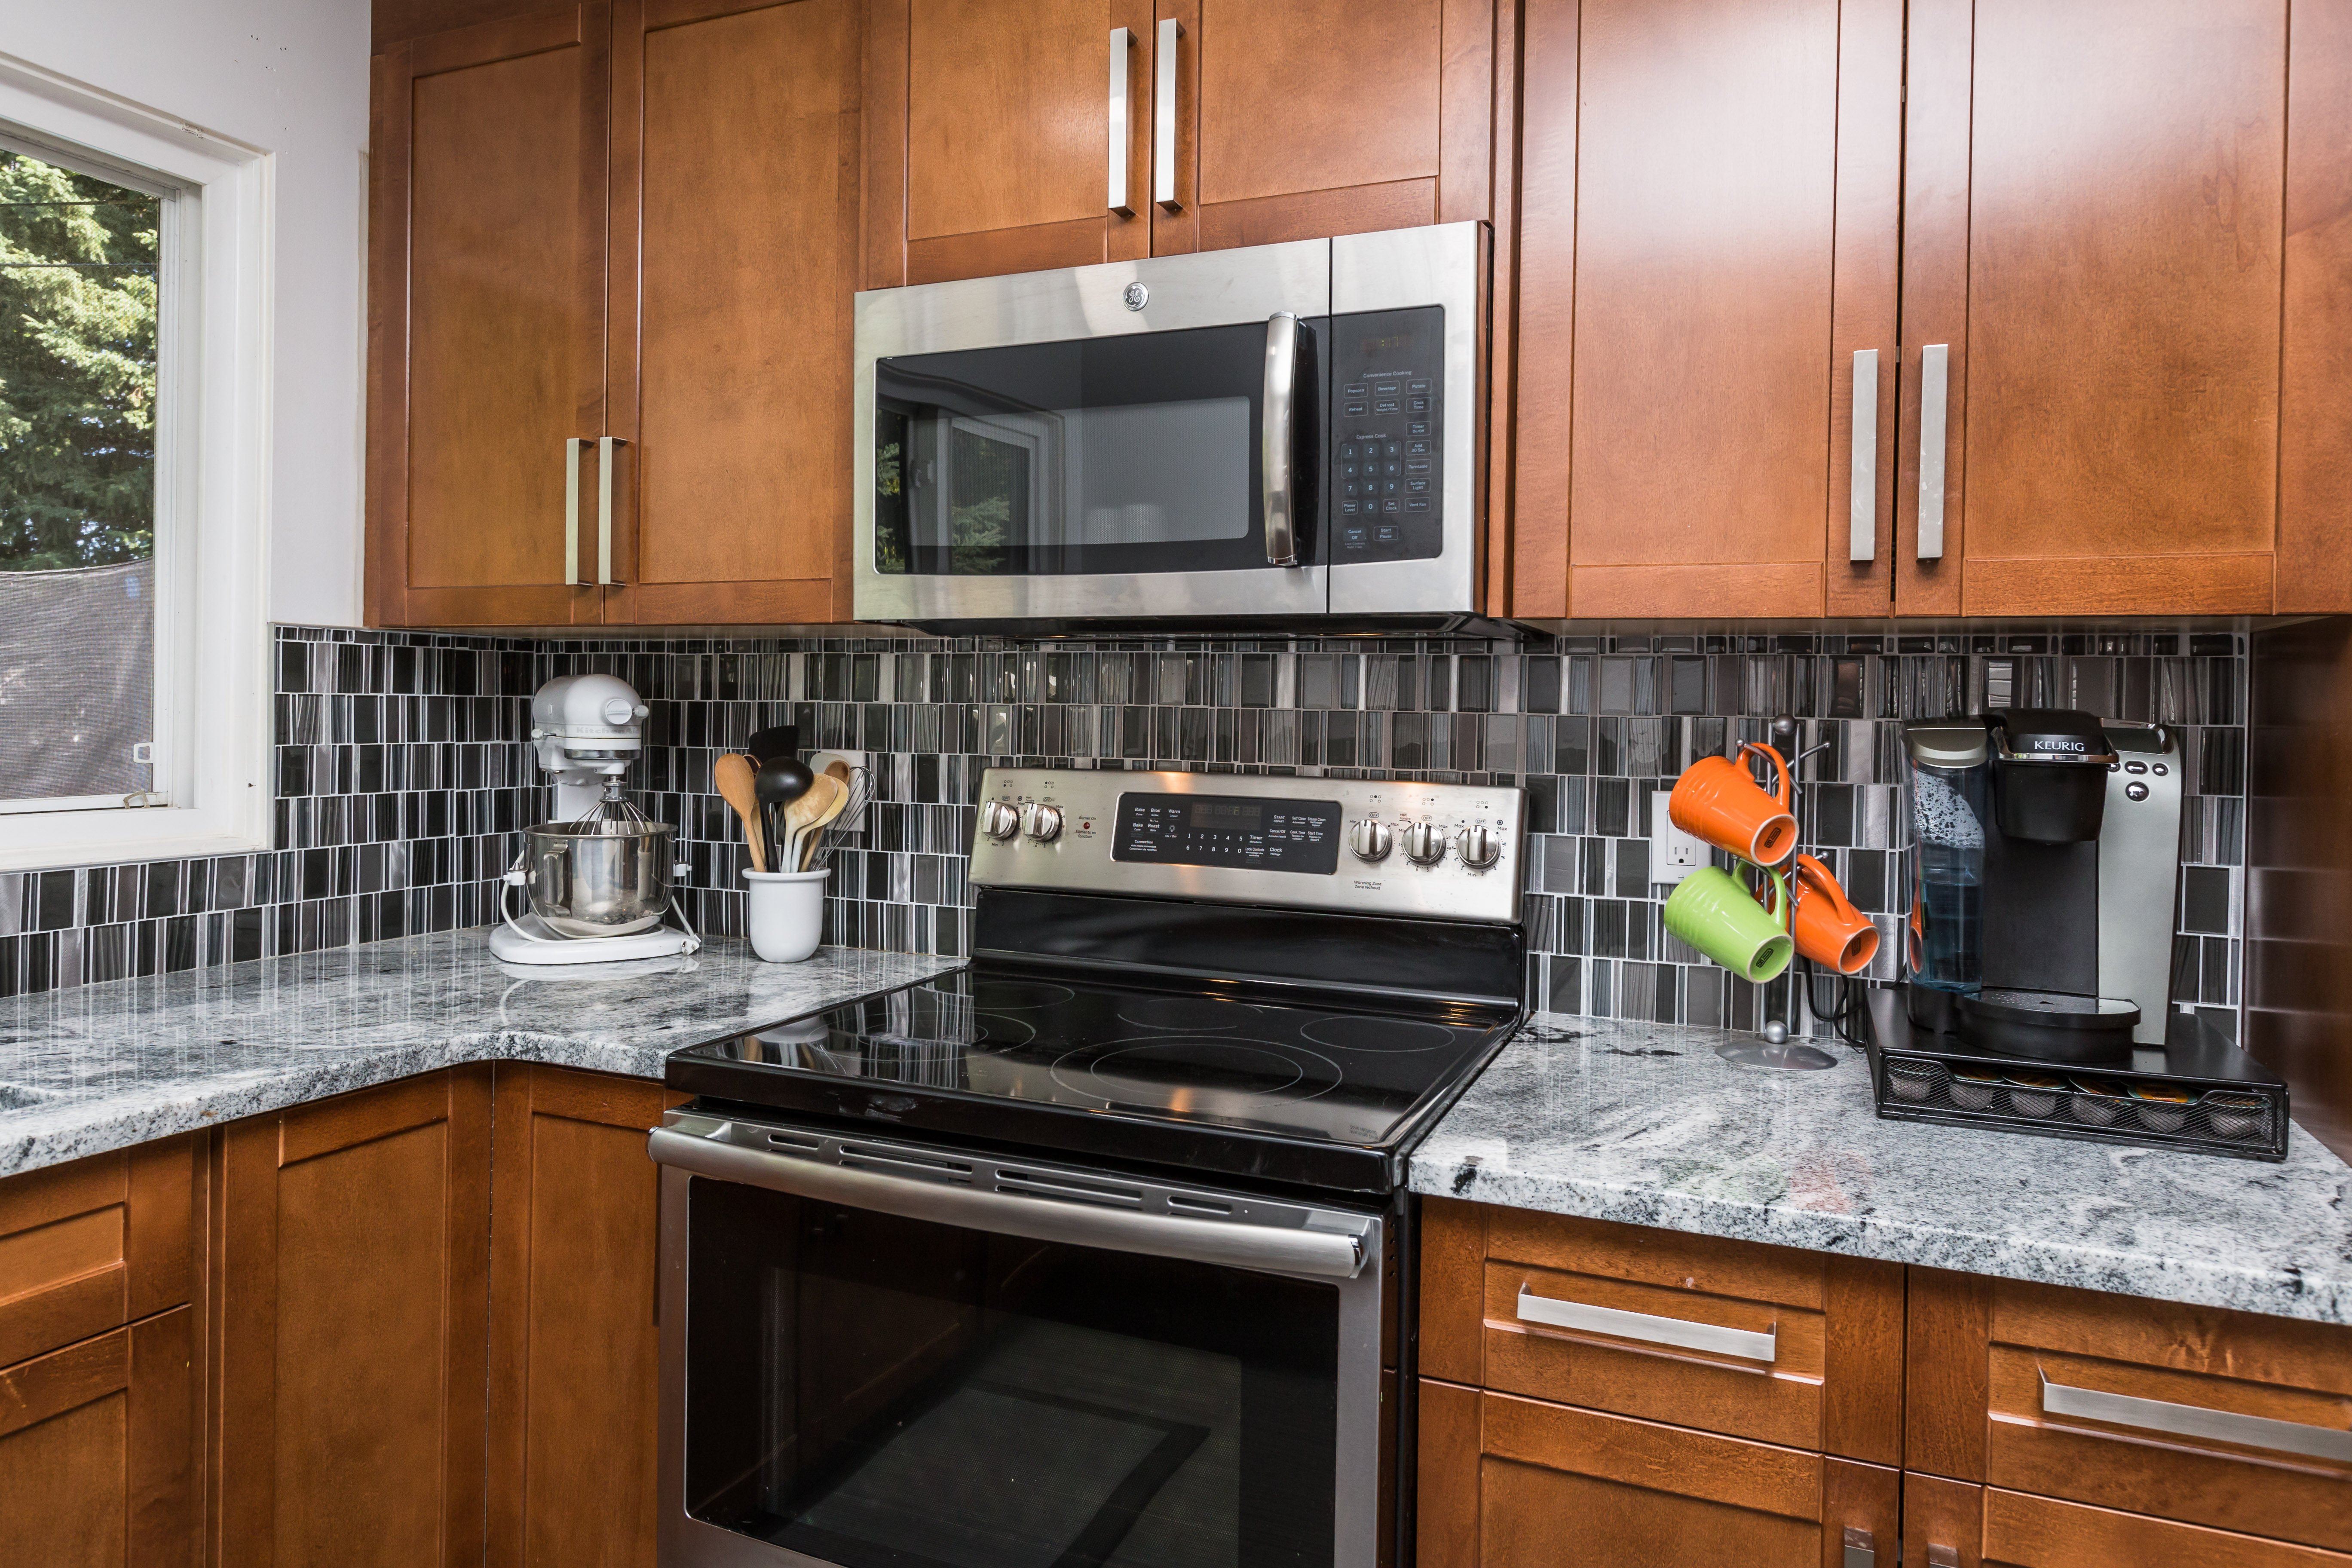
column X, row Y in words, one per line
column 1070, row 1188
column 1185, row 1202
column 900, row 1162
column 795, row 1143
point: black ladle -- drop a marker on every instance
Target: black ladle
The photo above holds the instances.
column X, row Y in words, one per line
column 781, row 781
column 777, row 740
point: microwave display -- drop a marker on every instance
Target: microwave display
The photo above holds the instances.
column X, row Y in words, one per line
column 1251, row 832
column 1387, row 478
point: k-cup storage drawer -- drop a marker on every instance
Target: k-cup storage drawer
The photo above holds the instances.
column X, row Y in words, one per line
column 91, row 1246
column 1766, row 1342
column 2231, row 1420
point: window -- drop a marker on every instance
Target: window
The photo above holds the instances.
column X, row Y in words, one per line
column 133, row 622
column 80, row 262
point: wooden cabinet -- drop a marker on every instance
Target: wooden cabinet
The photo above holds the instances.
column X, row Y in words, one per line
column 352, row 1253
column 91, row 1246
column 1985, row 1527
column 1516, row 1483
column 990, row 129
column 573, row 1337
column 97, row 1450
column 616, row 235
column 1707, row 237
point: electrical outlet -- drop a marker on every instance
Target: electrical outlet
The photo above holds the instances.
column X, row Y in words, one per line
column 1674, row 854
column 819, row 761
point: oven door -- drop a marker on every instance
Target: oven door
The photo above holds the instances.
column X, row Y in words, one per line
column 880, row 1355
column 1139, row 439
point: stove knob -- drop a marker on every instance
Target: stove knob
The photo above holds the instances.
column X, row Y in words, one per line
column 1045, row 823
column 1424, row 844
column 999, row 821
column 1370, row 839
column 1479, row 846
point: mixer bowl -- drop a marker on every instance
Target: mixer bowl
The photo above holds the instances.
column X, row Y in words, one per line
column 599, row 878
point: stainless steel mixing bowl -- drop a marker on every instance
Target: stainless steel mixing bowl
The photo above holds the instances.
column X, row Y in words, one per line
column 599, row 878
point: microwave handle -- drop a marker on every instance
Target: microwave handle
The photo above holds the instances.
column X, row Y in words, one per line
column 1330, row 1255
column 1277, row 441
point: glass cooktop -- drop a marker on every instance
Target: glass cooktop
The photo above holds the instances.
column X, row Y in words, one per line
column 1220, row 1067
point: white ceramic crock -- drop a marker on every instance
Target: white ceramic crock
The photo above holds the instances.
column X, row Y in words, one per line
column 786, row 918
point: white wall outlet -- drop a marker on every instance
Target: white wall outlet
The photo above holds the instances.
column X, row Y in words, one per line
column 1674, row 854
column 819, row 761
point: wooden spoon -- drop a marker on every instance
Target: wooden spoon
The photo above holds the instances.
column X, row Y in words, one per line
column 734, row 777
column 822, row 797
column 813, row 833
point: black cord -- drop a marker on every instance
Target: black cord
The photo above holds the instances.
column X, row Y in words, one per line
column 1845, row 1008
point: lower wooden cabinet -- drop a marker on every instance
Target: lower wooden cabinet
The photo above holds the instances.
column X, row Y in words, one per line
column 574, row 1205
column 94, row 1244
column 1987, row 1527
column 353, row 1291
column 97, row 1448
column 1518, row 1483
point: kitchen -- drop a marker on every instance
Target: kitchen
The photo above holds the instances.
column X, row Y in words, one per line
column 1263, row 1085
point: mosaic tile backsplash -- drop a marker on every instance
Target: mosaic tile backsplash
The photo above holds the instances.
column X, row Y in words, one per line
column 403, row 777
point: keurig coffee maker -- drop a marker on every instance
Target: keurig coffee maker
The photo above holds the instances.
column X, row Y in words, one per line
column 2047, row 846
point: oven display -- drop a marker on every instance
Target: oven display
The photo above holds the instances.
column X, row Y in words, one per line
column 1249, row 832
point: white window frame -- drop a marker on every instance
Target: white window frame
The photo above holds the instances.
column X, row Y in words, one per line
column 212, row 464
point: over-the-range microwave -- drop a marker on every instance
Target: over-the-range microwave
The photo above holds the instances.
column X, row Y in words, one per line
column 1281, row 434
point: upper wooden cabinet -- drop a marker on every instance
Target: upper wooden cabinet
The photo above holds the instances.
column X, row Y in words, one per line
column 616, row 235
column 1707, row 239
column 992, row 134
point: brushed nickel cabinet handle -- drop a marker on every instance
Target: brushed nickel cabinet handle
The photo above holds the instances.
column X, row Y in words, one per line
column 1861, row 1548
column 2195, row 1421
column 1861, row 502
column 1122, row 44
column 1680, row 1332
column 1163, row 117
column 573, row 446
column 1275, row 440
column 1934, row 402
column 605, row 447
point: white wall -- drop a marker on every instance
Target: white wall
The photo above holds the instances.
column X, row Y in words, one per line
column 290, row 76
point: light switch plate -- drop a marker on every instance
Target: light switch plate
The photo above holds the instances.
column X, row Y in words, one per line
column 1674, row 854
column 819, row 761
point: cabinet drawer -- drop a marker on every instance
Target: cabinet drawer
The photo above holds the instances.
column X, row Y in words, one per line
column 91, row 1246
column 1793, row 1348
column 2023, row 1532
column 2227, row 1419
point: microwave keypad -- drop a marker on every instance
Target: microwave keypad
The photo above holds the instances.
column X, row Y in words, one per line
column 1387, row 472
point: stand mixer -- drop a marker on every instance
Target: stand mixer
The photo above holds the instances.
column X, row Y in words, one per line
column 598, row 878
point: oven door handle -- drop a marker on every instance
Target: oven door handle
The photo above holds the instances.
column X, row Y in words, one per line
column 1278, row 442
column 1330, row 1255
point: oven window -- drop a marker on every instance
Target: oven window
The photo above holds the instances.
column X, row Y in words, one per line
column 1100, row 455
column 885, row 1393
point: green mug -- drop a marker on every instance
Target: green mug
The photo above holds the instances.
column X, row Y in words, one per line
column 1715, row 915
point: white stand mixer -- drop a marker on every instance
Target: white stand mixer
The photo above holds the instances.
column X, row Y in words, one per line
column 598, row 878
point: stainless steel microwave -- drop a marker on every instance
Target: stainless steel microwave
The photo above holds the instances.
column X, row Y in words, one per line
column 1279, row 433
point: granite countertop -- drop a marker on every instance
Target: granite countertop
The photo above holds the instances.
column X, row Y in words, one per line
column 102, row 1066
column 1646, row 1124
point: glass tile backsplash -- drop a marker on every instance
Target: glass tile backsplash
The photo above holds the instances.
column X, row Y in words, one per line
column 404, row 776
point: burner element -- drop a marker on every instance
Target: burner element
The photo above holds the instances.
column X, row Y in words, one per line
column 1350, row 1033
column 1184, row 1074
column 1002, row 1029
column 1193, row 1015
column 1018, row 995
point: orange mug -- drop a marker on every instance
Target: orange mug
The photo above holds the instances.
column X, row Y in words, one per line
column 1716, row 800
column 1829, row 929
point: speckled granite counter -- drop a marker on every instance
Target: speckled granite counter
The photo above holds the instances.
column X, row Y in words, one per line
column 103, row 1067
column 1645, row 1124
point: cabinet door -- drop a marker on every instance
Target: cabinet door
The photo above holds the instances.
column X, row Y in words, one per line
column 1707, row 240
column 88, row 1245
column 486, row 330
column 353, row 1282
column 2092, row 243
column 98, row 1451
column 1384, row 114
column 1556, row 1487
column 734, row 249
column 2314, row 571
column 573, row 1339
column 1008, row 127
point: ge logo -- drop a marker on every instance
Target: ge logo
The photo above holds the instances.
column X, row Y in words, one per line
column 1137, row 296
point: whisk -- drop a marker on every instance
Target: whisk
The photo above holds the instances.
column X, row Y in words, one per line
column 839, row 831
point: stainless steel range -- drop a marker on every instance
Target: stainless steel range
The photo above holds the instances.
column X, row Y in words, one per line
column 1096, row 1253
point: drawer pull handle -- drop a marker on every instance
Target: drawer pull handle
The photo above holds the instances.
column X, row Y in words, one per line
column 1935, row 409
column 1163, row 121
column 1122, row 44
column 2195, row 1421
column 1861, row 1548
column 1679, row 1332
column 1861, row 499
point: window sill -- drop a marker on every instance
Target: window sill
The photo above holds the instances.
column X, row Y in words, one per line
column 53, row 841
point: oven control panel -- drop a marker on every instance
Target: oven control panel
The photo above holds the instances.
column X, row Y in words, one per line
column 1363, row 845
column 1386, row 482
